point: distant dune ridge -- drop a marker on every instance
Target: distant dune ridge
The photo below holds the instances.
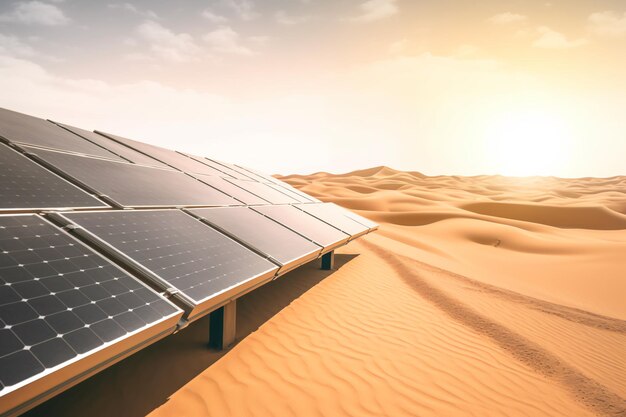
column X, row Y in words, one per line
column 478, row 296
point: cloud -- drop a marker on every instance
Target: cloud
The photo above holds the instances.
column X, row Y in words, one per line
column 133, row 9
column 226, row 41
column 167, row 45
column 372, row 10
column 35, row 12
column 213, row 17
column 608, row 24
column 551, row 39
column 506, row 18
column 284, row 18
column 12, row 46
column 244, row 9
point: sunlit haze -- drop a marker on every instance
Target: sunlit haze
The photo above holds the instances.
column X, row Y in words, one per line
column 461, row 87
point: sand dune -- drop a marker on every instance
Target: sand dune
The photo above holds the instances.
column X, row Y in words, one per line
column 481, row 296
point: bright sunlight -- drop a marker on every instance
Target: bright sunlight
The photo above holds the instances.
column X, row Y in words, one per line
column 528, row 143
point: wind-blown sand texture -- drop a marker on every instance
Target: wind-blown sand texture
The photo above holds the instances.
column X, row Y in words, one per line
column 478, row 296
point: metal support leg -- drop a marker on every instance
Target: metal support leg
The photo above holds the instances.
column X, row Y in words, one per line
column 328, row 261
column 222, row 326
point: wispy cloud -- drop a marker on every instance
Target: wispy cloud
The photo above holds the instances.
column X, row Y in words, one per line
column 550, row 39
column 284, row 18
column 168, row 45
column 244, row 9
column 13, row 46
column 213, row 17
column 608, row 23
column 131, row 8
column 225, row 40
column 35, row 12
column 372, row 10
column 506, row 18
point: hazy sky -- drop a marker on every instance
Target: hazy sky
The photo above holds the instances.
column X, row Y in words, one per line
column 441, row 86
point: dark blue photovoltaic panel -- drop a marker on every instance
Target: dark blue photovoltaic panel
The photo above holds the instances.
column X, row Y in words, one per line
column 187, row 254
column 136, row 186
column 262, row 233
column 59, row 300
column 312, row 228
column 21, row 128
column 26, row 185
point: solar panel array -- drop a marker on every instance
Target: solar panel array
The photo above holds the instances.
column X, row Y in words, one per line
column 106, row 243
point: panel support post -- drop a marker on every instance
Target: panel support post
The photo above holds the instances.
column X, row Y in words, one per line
column 222, row 326
column 328, row 261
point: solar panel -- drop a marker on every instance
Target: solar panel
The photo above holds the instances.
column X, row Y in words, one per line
column 132, row 185
column 336, row 217
column 65, row 310
column 264, row 191
column 265, row 235
column 312, row 228
column 176, row 251
column 231, row 189
column 230, row 169
column 123, row 151
column 23, row 129
column 290, row 192
column 24, row 185
column 171, row 158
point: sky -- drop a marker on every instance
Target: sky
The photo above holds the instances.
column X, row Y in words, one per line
column 446, row 87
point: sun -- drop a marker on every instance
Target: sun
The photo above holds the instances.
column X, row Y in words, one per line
column 527, row 143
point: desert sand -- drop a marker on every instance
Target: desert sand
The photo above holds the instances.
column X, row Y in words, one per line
column 478, row 296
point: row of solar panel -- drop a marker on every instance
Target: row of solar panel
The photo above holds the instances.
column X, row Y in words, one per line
column 80, row 290
column 117, row 172
column 61, row 303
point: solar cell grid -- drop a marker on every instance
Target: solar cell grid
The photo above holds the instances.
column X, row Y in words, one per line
column 58, row 299
column 190, row 256
column 26, row 185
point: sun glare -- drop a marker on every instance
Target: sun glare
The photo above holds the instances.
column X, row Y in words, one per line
column 526, row 143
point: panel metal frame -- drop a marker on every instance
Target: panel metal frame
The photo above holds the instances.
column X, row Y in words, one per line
column 19, row 398
column 193, row 309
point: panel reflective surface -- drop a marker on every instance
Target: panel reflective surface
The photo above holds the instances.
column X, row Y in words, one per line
column 290, row 192
column 59, row 300
column 171, row 158
column 26, row 185
column 305, row 224
column 123, row 151
column 187, row 254
column 335, row 216
column 230, row 169
column 231, row 189
column 136, row 186
column 260, row 232
column 264, row 191
column 21, row 128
